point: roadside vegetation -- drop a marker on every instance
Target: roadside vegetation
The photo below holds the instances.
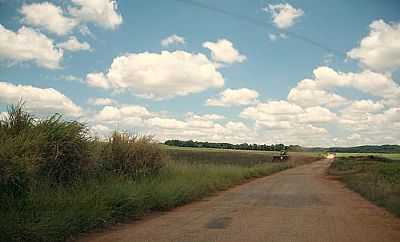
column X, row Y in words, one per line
column 57, row 181
column 376, row 178
column 392, row 156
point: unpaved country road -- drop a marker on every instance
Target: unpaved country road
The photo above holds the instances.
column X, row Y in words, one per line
column 300, row 204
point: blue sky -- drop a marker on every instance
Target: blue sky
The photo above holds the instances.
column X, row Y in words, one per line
column 220, row 78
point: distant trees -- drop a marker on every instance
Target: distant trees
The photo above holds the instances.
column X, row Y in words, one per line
column 243, row 146
column 367, row 149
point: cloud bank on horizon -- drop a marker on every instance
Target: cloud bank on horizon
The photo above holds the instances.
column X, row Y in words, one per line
column 184, row 87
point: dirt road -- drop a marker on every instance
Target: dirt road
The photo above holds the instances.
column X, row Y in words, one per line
column 300, row 204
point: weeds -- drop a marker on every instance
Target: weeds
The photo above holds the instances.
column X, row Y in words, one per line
column 132, row 155
column 374, row 178
column 57, row 213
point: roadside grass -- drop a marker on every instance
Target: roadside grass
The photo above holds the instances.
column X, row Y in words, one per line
column 375, row 178
column 60, row 213
column 393, row 156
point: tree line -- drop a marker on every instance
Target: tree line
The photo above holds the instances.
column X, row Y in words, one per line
column 243, row 146
column 359, row 149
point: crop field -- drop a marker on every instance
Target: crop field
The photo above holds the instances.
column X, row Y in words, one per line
column 375, row 178
column 226, row 156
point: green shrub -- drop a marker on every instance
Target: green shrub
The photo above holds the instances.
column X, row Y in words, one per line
column 132, row 155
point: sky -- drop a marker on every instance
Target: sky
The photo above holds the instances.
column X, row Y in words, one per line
column 313, row 73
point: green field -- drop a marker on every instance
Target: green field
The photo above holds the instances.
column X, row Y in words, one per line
column 235, row 157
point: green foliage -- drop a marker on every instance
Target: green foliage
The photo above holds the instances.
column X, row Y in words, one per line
column 66, row 150
column 19, row 150
column 51, row 149
column 390, row 172
column 132, row 155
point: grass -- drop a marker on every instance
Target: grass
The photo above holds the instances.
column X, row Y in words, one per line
column 375, row 178
column 58, row 213
column 393, row 156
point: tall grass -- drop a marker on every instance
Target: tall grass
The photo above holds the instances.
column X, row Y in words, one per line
column 375, row 178
column 57, row 213
column 131, row 155
column 51, row 149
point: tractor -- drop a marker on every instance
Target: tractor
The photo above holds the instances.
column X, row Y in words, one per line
column 281, row 157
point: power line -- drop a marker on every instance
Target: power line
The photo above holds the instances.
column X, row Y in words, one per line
column 263, row 25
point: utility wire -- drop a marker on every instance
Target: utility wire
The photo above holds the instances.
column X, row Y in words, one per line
column 262, row 24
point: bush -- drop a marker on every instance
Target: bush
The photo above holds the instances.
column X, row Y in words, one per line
column 132, row 155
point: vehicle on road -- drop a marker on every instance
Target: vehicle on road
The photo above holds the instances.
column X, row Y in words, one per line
column 281, row 157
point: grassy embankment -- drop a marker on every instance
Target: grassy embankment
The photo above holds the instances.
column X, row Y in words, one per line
column 374, row 176
column 56, row 181
column 392, row 156
column 56, row 213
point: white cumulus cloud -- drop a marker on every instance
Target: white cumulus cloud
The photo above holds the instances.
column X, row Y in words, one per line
column 48, row 16
column 380, row 50
column 273, row 114
column 29, row 45
column 102, row 101
column 73, row 44
column 234, row 97
column 172, row 39
column 117, row 114
column 363, row 106
column 317, row 91
column 223, row 51
column 101, row 12
column 41, row 100
column 284, row 15
column 317, row 114
column 159, row 75
column 307, row 94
